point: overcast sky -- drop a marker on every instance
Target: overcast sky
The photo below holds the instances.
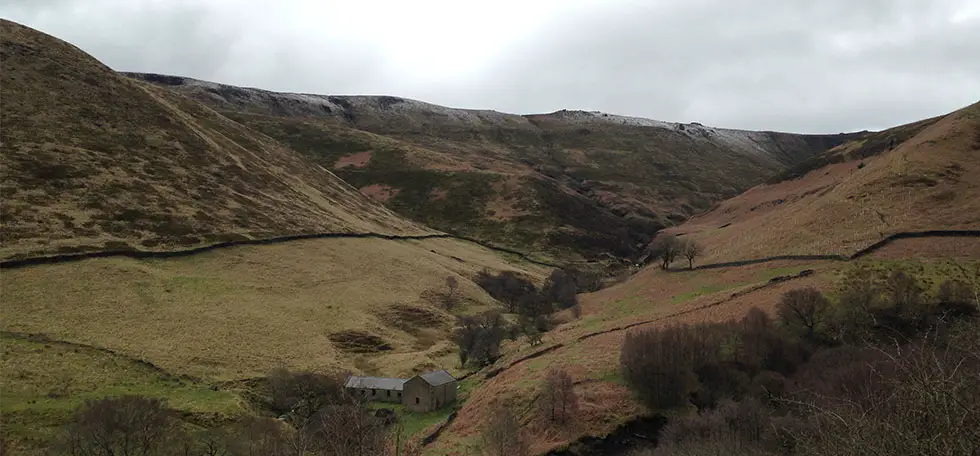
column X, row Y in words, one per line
column 789, row 65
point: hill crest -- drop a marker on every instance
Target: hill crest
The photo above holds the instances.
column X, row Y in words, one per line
column 94, row 161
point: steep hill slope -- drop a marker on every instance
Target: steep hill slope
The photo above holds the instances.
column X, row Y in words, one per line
column 921, row 176
column 92, row 160
column 570, row 182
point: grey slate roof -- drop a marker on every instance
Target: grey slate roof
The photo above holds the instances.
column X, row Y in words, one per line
column 381, row 383
column 436, row 378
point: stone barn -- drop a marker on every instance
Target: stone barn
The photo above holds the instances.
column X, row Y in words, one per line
column 429, row 391
column 424, row 392
column 376, row 389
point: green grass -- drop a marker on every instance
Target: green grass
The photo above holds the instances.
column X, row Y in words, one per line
column 930, row 274
column 42, row 383
column 414, row 422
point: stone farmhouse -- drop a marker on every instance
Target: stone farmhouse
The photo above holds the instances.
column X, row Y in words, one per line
column 424, row 392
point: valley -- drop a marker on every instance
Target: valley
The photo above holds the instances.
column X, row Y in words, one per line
column 201, row 244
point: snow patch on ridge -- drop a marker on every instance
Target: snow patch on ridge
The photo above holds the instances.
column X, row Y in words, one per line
column 743, row 140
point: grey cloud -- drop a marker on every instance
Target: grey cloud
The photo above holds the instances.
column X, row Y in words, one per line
column 791, row 65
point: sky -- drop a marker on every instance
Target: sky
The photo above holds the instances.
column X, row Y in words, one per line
column 804, row 66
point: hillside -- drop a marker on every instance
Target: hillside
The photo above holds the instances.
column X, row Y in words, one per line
column 92, row 160
column 569, row 183
column 915, row 177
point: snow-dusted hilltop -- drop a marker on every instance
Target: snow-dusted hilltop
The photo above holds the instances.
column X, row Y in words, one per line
column 395, row 115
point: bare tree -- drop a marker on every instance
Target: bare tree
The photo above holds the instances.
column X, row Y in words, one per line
column 502, row 434
column 128, row 425
column 451, row 298
column 303, row 394
column 349, row 430
column 666, row 247
column 558, row 399
column 804, row 308
column 691, row 250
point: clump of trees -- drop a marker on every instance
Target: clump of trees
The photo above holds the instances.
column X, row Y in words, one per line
column 888, row 370
column 478, row 338
column 319, row 419
column 667, row 247
column 534, row 306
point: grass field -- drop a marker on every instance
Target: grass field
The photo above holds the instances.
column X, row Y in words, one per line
column 237, row 313
column 43, row 381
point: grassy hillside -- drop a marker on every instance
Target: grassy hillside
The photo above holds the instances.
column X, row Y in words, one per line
column 236, row 313
column 866, row 192
column 94, row 160
column 225, row 317
column 570, row 183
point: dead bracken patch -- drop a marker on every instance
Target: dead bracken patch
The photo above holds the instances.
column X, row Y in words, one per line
column 358, row 160
column 379, row 192
column 359, row 342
